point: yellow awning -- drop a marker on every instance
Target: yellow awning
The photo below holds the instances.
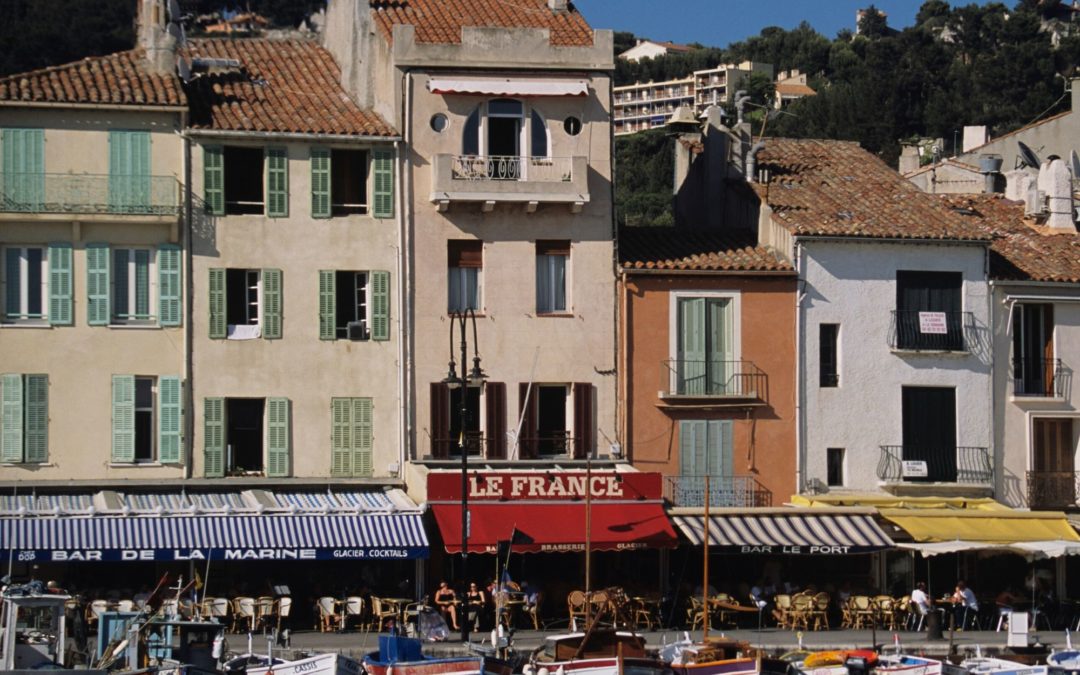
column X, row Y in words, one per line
column 990, row 526
column 893, row 502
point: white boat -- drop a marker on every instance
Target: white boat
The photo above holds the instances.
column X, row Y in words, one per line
column 984, row 665
column 1067, row 661
column 31, row 628
column 319, row 664
column 907, row 664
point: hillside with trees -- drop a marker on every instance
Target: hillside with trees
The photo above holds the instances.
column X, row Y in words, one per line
column 967, row 65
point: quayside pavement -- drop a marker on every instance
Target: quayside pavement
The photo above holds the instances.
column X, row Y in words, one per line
column 774, row 640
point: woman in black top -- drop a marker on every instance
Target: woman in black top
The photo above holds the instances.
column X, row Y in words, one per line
column 474, row 603
column 446, row 601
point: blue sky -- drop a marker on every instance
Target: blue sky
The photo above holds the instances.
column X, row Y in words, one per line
column 716, row 23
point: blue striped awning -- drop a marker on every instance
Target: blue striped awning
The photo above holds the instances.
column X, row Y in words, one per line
column 787, row 530
column 215, row 537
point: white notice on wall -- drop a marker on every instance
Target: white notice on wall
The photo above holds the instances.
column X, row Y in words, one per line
column 914, row 468
column 933, row 323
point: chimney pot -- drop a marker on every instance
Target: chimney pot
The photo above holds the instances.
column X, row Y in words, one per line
column 559, row 6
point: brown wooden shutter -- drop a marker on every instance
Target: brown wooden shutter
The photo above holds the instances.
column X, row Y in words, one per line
column 527, row 442
column 495, row 399
column 584, row 424
column 1048, row 350
column 440, row 420
column 552, row 247
column 464, row 253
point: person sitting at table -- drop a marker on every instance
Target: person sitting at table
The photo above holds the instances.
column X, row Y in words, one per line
column 964, row 604
column 446, row 601
column 920, row 599
column 475, row 601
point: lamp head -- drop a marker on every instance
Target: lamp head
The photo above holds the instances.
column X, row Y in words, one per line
column 451, row 380
column 477, row 375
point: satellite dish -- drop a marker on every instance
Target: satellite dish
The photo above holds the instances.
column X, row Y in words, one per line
column 1074, row 164
column 1028, row 156
column 177, row 31
column 184, row 69
column 174, row 10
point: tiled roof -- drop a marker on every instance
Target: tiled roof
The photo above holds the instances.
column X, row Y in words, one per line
column 116, row 79
column 670, row 248
column 837, row 189
column 795, row 89
column 1021, row 250
column 286, row 86
column 441, row 21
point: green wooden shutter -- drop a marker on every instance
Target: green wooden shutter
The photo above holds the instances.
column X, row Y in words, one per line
column 384, row 183
column 37, row 419
column 169, row 292
column 123, row 418
column 341, row 437
column 213, row 437
column 320, row 183
column 24, row 169
column 327, row 305
column 214, row 179
column 271, row 304
column 60, row 284
column 11, row 436
column 691, row 347
column 170, row 418
column 277, row 437
column 98, row 286
column 277, row 183
column 693, row 436
column 129, row 171
column 720, row 349
column 362, row 436
column 218, row 329
column 380, row 305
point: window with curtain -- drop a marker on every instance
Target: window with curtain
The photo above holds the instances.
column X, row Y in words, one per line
column 464, row 266
column 552, row 258
column 132, row 269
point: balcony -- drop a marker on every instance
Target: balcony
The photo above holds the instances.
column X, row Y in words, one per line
column 923, row 464
column 490, row 180
column 724, row 491
column 1038, row 377
column 695, row 380
column 89, row 194
column 920, row 331
column 1053, row 490
column 540, row 446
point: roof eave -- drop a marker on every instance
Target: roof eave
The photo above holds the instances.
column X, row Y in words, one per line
column 232, row 134
column 135, row 107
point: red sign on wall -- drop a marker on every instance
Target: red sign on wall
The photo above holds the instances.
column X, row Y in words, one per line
column 546, row 486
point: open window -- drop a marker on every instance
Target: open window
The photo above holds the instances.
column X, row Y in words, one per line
column 348, row 182
column 247, row 437
column 132, row 270
column 465, row 262
column 470, row 434
column 244, row 435
column 245, row 303
column 505, row 132
column 25, row 283
column 351, row 306
column 244, row 180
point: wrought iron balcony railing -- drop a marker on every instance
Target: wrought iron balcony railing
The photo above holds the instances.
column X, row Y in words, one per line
column 89, row 194
column 475, row 445
column 697, row 379
column 537, row 169
column 1037, row 377
column 918, row 463
column 930, row 331
column 1053, row 489
column 552, row 444
column 724, row 491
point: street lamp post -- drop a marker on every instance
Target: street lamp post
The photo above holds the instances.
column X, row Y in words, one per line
column 475, row 377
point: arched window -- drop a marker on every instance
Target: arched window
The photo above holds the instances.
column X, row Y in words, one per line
column 538, row 136
column 498, row 128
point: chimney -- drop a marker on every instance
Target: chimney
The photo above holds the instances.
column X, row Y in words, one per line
column 348, row 37
column 153, row 36
column 559, row 6
column 909, row 158
column 688, row 142
column 718, row 142
column 1055, row 179
column 990, row 166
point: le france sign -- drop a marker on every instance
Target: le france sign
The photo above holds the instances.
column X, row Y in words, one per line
column 565, row 486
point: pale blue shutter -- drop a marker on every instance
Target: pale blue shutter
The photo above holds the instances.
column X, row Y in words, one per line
column 691, row 346
column 327, row 305
column 384, row 183
column 214, row 437
column 36, row 438
column 60, row 284
column 129, row 171
column 380, row 305
column 170, row 418
column 341, row 444
column 11, row 436
column 277, row 437
column 277, row 183
column 271, row 304
column 320, row 183
column 216, row 304
column 169, row 290
column 693, row 435
column 721, row 457
column 722, row 372
column 214, row 179
column 98, row 306
column 362, row 436
column 24, row 169
column 123, row 418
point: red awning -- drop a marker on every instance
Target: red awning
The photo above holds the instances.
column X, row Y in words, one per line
column 556, row 527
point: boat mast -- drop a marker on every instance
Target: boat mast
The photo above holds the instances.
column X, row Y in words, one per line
column 705, row 584
column 588, row 537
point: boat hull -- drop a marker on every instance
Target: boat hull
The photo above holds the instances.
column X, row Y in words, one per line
column 724, row 667
column 988, row 666
column 904, row 664
column 469, row 665
column 604, row 666
column 320, row 664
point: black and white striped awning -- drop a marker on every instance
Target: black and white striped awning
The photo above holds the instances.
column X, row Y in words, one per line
column 785, row 530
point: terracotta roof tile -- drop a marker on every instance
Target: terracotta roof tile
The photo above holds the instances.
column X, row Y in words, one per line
column 670, row 248
column 1021, row 249
column 441, row 21
column 115, row 79
column 837, row 189
column 285, row 86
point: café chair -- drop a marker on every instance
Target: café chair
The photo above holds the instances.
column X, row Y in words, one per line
column 575, row 605
column 382, row 613
column 354, row 610
column 284, row 608
column 243, row 610
column 329, row 619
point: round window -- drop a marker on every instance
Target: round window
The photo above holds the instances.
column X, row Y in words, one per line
column 439, row 122
column 572, row 125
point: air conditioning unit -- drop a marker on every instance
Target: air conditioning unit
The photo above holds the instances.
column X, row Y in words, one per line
column 356, row 330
